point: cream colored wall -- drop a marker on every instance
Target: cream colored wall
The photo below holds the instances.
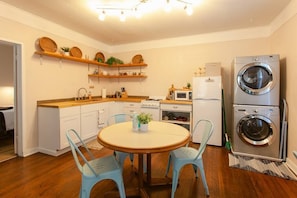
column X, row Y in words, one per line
column 284, row 41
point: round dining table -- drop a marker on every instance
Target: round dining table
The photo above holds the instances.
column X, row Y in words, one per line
column 160, row 137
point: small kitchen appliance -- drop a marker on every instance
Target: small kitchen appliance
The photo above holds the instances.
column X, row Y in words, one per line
column 181, row 94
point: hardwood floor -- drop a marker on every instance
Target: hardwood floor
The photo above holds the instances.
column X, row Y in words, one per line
column 41, row 175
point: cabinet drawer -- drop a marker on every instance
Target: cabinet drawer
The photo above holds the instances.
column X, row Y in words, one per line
column 174, row 107
column 131, row 104
column 69, row 111
column 89, row 108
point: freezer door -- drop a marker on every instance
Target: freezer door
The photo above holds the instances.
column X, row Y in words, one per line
column 207, row 87
column 210, row 110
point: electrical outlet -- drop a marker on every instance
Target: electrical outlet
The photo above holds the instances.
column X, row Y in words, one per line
column 295, row 153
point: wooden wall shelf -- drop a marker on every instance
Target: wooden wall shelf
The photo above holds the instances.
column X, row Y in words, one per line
column 117, row 76
column 71, row 58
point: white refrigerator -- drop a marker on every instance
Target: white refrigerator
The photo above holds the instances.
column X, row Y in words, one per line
column 207, row 104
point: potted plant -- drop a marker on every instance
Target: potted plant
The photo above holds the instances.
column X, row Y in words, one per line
column 65, row 50
column 144, row 119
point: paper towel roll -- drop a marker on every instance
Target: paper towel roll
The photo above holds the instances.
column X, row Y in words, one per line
column 103, row 93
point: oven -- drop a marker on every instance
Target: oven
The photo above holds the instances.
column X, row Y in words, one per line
column 152, row 106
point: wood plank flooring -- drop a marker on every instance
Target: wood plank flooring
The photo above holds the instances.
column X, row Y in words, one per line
column 7, row 147
column 40, row 175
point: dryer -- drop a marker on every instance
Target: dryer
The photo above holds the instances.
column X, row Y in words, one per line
column 256, row 80
column 256, row 131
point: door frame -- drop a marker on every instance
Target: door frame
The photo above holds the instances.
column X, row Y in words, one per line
column 18, row 98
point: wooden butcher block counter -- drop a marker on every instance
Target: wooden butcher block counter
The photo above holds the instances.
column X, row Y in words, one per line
column 71, row 102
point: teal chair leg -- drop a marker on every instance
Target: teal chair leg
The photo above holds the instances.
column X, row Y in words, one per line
column 175, row 175
column 168, row 165
column 201, row 167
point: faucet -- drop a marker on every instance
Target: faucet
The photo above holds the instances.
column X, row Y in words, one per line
column 79, row 96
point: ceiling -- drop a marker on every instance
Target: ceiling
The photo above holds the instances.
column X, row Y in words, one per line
column 208, row 17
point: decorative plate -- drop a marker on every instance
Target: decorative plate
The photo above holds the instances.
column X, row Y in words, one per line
column 47, row 44
column 137, row 59
column 75, row 52
column 100, row 56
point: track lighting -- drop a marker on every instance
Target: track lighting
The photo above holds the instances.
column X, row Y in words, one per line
column 139, row 7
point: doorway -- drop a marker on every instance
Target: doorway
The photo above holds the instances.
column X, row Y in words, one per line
column 10, row 68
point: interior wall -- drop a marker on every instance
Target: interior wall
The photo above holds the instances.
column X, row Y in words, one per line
column 6, row 65
column 284, row 41
column 6, row 75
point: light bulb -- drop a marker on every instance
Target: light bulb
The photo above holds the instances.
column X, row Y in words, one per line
column 122, row 17
column 167, row 6
column 102, row 16
column 189, row 10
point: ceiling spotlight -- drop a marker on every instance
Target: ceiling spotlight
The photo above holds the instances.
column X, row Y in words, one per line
column 167, row 6
column 122, row 16
column 102, row 16
column 137, row 13
column 189, row 10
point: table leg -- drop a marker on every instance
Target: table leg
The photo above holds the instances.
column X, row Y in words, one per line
column 163, row 181
column 142, row 191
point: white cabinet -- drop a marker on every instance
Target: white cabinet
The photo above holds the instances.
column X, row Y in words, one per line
column 89, row 119
column 180, row 114
column 116, row 108
column 131, row 107
column 52, row 126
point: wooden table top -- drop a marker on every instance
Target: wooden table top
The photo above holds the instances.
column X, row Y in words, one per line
column 160, row 137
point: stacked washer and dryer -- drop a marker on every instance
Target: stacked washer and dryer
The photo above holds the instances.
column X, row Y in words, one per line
column 256, row 113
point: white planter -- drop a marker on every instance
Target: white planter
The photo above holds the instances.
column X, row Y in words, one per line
column 143, row 127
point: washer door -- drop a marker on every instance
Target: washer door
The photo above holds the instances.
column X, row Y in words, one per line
column 255, row 78
column 256, row 130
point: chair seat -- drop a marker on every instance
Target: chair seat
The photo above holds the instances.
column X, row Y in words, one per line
column 187, row 153
column 102, row 166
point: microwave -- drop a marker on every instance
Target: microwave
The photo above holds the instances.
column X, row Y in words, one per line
column 183, row 95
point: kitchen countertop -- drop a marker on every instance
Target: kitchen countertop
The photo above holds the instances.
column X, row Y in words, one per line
column 71, row 102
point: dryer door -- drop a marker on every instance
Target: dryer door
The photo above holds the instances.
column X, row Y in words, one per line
column 256, row 130
column 255, row 78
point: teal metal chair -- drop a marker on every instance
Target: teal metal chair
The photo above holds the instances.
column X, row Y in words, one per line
column 118, row 118
column 188, row 155
column 94, row 170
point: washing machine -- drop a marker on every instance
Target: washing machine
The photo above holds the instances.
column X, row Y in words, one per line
column 256, row 131
column 256, row 80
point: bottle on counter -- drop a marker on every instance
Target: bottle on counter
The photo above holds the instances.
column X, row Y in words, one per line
column 135, row 124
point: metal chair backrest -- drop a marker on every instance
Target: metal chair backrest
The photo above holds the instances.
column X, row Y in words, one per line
column 205, row 127
column 117, row 118
column 76, row 152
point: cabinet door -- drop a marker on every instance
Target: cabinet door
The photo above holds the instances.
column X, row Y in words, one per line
column 104, row 113
column 66, row 123
column 89, row 120
column 89, row 124
column 116, row 108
